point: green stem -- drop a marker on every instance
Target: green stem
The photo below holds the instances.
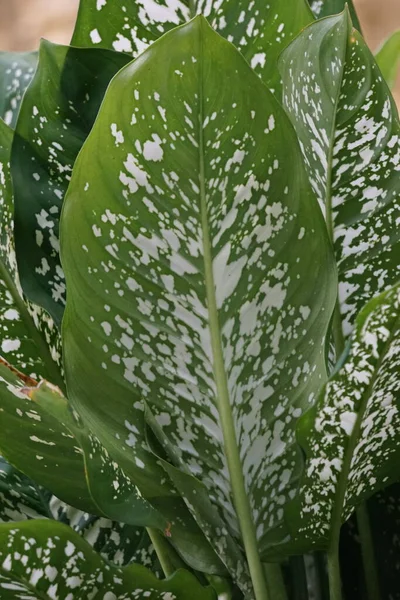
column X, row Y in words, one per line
column 163, row 551
column 276, row 584
column 368, row 555
column 335, row 583
column 235, row 467
column 43, row 350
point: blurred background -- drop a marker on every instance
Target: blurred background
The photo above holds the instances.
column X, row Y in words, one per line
column 24, row 22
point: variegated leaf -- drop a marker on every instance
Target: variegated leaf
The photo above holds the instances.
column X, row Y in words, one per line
column 348, row 127
column 260, row 30
column 200, row 278
column 351, row 436
column 44, row 559
column 56, row 115
column 16, row 72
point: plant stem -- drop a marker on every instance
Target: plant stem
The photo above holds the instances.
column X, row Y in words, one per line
column 275, row 582
column 162, row 549
column 335, row 583
column 223, row 401
column 368, row 555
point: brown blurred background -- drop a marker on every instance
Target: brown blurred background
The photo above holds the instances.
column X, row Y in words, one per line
column 24, row 22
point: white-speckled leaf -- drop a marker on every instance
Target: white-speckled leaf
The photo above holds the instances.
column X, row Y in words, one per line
column 348, row 126
column 56, row 116
column 351, row 436
column 44, row 559
column 28, row 339
column 200, row 278
column 259, row 29
column 326, row 8
column 16, row 72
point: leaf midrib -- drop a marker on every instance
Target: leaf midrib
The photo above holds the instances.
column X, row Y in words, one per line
column 231, row 448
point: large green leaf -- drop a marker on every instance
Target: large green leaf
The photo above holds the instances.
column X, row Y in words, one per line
column 50, row 560
column 260, row 30
column 388, row 58
column 325, row 8
column 200, row 277
column 16, row 72
column 350, row 142
column 56, row 116
column 27, row 334
column 351, row 436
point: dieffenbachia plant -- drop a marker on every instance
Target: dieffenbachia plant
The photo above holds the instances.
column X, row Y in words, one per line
column 216, row 243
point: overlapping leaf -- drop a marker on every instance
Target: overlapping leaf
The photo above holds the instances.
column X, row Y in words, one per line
column 351, row 436
column 260, row 30
column 27, row 335
column 348, row 126
column 21, row 499
column 325, row 8
column 56, row 115
column 50, row 560
column 16, row 72
column 200, row 277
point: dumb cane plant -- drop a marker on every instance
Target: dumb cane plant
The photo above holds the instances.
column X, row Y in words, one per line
column 199, row 306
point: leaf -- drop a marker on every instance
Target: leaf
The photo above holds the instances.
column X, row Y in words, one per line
column 16, row 72
column 388, row 58
column 259, row 30
column 326, row 8
column 351, row 435
column 27, row 335
column 350, row 143
column 19, row 497
column 49, row 558
column 56, row 116
column 200, row 277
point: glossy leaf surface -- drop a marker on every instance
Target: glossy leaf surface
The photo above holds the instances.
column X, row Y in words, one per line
column 56, row 116
column 195, row 226
column 258, row 29
column 49, row 560
column 326, row 8
column 350, row 141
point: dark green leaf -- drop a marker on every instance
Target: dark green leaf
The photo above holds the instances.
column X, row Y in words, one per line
column 56, row 116
column 200, row 277
column 49, row 560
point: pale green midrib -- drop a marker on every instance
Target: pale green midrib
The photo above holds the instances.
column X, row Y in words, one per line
column 341, row 491
column 241, row 501
column 35, row 335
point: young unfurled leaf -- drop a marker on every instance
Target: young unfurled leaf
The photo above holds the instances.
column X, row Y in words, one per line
column 56, row 115
column 259, row 29
column 16, row 72
column 351, row 436
column 44, row 559
column 200, row 277
column 351, row 146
